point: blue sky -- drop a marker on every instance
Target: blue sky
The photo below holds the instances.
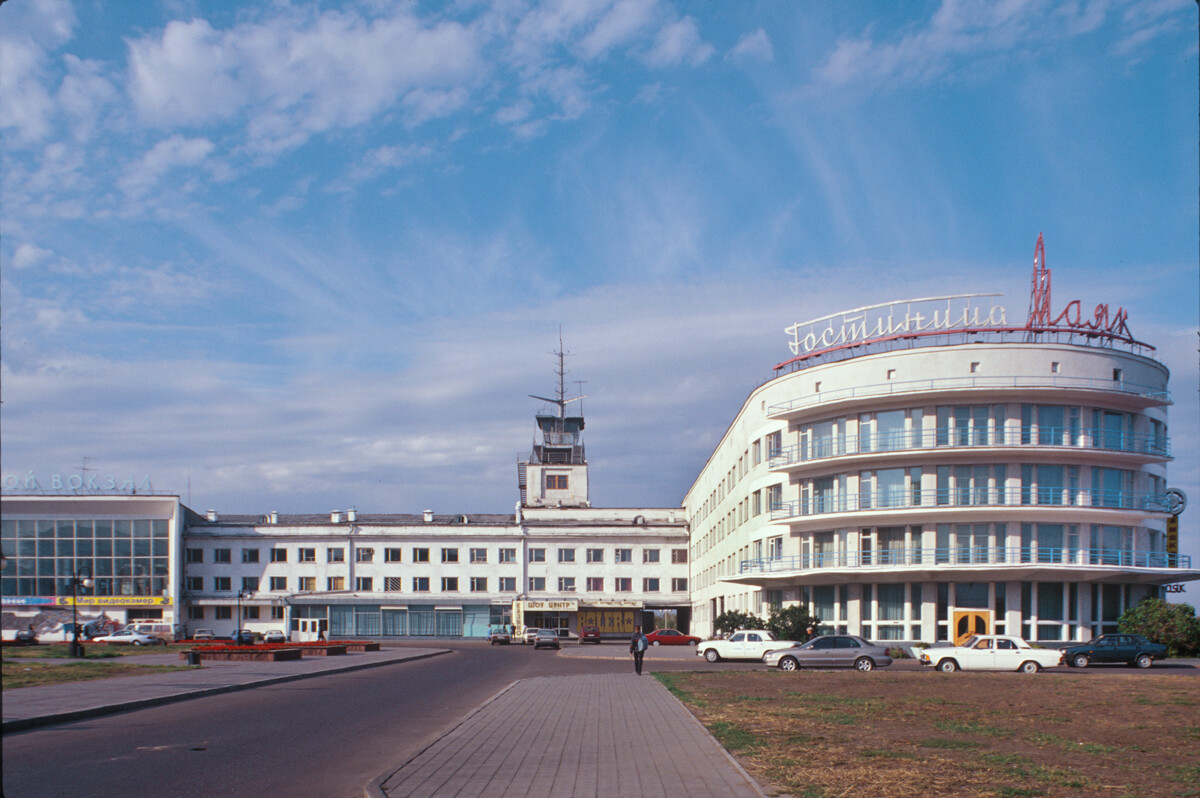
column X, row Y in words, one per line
column 306, row 256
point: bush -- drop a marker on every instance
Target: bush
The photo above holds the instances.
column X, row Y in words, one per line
column 792, row 623
column 1174, row 625
column 733, row 620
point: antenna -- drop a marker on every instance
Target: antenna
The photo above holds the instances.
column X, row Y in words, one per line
column 561, row 371
column 1039, row 294
column 83, row 469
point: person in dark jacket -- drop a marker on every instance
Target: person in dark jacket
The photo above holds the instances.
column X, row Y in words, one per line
column 637, row 647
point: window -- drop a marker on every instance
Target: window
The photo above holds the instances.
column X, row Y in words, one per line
column 195, row 555
column 649, row 555
column 478, row 555
column 624, row 555
column 335, row 555
column 508, row 584
column 249, row 555
column 277, row 613
column 392, row 584
column 335, row 583
column 566, row 555
column 221, row 583
column 537, row 555
column 223, row 613
column 420, row 555
column 595, row 555
column 195, row 613
column 278, row 555
column 392, row 555
column 556, row 482
column 222, row 555
column 624, row 585
column 307, row 555
column 250, row 613
column 537, row 584
column 650, row 585
column 508, row 555
column 449, row 555
column 194, row 583
column 364, row 555
column 250, row 584
column 478, row 584
column 449, row 584
column 307, row 583
column 595, row 584
column 679, row 556
column 679, row 585
column 364, row 584
column 278, row 583
column 566, row 584
column 420, row 584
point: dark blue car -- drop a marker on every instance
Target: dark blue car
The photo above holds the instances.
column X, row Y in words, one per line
column 1113, row 649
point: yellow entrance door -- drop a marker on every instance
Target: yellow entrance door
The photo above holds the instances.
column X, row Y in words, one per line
column 971, row 622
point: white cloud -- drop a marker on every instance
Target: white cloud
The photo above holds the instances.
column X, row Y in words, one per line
column 29, row 33
column 752, row 47
column 176, row 151
column 28, row 255
column 679, row 43
column 621, row 25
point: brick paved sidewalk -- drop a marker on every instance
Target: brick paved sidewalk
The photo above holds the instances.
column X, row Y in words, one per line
column 607, row 736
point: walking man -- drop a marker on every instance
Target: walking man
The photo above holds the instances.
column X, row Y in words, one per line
column 637, row 647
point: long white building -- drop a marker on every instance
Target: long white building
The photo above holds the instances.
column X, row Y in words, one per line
column 924, row 469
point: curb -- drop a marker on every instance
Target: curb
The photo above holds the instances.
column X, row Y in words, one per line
column 21, row 724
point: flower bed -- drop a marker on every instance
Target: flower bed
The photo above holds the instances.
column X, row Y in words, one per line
column 360, row 646
column 244, row 653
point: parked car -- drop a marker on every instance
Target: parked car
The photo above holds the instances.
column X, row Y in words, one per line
column 589, row 634
column 671, row 637
column 991, row 653
column 127, row 637
column 530, row 634
column 243, row 637
column 545, row 638
column 26, row 637
column 499, row 636
column 742, row 644
column 204, row 634
column 1107, row 649
column 830, row 651
column 274, row 636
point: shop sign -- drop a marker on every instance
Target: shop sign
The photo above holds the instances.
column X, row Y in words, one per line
column 28, row 601
column 113, row 601
column 551, row 606
column 76, row 483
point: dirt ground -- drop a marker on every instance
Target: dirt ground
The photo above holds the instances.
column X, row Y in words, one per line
column 825, row 734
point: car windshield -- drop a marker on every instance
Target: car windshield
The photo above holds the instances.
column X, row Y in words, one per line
column 970, row 641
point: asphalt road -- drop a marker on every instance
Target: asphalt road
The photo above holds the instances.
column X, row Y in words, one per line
column 324, row 737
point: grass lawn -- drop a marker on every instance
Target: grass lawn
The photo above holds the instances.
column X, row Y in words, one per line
column 92, row 650
column 824, row 734
column 18, row 673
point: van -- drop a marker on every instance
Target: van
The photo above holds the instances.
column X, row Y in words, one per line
column 164, row 631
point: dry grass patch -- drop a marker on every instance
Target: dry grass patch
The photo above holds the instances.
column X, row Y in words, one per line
column 31, row 674
column 974, row 734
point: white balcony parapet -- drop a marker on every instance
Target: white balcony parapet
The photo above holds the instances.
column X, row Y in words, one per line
column 967, row 556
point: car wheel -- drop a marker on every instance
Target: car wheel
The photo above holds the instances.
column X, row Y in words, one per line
column 947, row 666
column 693, row 642
column 1080, row 661
column 1143, row 661
column 711, row 655
column 1029, row 666
column 137, row 642
column 789, row 664
column 864, row 664
column 161, row 642
column 655, row 643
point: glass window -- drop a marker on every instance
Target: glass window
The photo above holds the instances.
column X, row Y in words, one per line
column 392, row 555
column 595, row 555
column 221, row 583
column 420, row 555
column 650, row 585
column 566, row 555
column 449, row 584
column 219, row 555
column 537, row 584
column 624, row 555
column 624, row 584
column 508, row 584
column 363, row 584
column 278, row 583
column 278, row 555
column 249, row 555
column 195, row 555
column 679, row 556
column 537, row 555
column 250, row 584
column 478, row 584
column 595, row 584
column 420, row 584
column 478, row 555
column 308, row 555
column 650, row 555
column 508, row 555
column 566, row 584
column 335, row 555
column 364, row 555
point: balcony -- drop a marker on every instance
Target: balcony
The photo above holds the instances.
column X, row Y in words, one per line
column 1154, row 394
column 886, row 500
column 942, row 438
column 967, row 556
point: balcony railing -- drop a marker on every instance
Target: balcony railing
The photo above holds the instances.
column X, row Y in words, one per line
column 971, row 497
column 966, row 555
column 966, row 383
column 953, row 437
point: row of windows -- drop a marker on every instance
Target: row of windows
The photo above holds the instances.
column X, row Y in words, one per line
column 420, row 584
column 225, row 613
column 335, row 554
column 101, row 529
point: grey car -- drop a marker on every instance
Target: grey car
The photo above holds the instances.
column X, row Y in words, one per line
column 830, row 651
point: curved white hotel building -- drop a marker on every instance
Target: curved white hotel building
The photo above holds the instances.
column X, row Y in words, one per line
column 924, row 469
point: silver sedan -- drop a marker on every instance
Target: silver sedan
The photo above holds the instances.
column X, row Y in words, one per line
column 830, row 651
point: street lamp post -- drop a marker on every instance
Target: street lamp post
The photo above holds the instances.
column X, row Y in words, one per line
column 77, row 580
column 241, row 594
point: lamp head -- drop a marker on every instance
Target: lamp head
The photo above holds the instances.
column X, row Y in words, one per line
column 88, row 582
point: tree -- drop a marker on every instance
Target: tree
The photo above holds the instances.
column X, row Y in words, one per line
column 732, row 620
column 1174, row 625
column 792, row 623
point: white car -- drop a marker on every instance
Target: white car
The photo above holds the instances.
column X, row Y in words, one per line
column 991, row 653
column 742, row 644
column 274, row 636
column 126, row 637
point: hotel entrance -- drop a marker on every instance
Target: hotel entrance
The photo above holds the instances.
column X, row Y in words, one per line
column 971, row 622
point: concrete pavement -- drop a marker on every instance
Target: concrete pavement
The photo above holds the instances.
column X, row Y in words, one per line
column 598, row 735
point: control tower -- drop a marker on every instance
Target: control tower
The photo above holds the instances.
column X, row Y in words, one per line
column 555, row 475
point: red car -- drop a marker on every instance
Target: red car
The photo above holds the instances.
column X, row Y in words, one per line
column 671, row 637
column 589, row 634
